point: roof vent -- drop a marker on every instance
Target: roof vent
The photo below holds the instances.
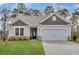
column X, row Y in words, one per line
column 53, row 18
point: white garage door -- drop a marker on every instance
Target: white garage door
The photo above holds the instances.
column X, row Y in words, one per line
column 54, row 34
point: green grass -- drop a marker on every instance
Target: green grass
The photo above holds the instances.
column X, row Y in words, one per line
column 30, row 47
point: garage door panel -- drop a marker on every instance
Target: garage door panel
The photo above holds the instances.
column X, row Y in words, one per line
column 54, row 34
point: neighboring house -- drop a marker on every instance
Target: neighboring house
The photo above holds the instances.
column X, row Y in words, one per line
column 50, row 27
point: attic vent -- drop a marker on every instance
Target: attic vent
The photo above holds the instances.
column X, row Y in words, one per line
column 54, row 18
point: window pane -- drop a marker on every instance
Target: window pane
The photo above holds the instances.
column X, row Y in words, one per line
column 17, row 31
column 21, row 31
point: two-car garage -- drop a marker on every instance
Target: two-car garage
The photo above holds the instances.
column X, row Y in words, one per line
column 54, row 34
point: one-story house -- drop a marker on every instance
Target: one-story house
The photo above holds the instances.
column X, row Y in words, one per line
column 45, row 27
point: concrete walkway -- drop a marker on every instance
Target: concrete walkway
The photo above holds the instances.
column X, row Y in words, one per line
column 61, row 48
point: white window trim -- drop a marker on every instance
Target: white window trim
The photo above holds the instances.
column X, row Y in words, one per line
column 15, row 32
column 20, row 32
column 53, row 18
column 19, row 29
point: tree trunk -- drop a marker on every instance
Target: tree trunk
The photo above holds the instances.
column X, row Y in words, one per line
column 4, row 29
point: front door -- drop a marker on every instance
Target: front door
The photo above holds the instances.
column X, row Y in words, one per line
column 33, row 33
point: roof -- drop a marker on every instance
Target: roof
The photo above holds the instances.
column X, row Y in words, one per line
column 19, row 23
column 34, row 20
column 31, row 20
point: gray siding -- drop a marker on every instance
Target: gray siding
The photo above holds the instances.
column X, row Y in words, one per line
column 57, row 22
column 19, row 23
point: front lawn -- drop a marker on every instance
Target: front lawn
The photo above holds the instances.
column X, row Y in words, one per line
column 30, row 47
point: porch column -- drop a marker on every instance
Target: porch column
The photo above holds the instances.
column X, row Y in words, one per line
column 69, row 32
column 38, row 33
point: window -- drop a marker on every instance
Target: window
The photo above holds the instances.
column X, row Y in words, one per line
column 17, row 31
column 21, row 31
column 54, row 18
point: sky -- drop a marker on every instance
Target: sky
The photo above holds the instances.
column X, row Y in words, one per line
column 42, row 6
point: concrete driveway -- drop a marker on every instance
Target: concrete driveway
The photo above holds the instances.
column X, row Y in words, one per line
column 61, row 48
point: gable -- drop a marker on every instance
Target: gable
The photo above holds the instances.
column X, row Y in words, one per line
column 50, row 21
column 19, row 23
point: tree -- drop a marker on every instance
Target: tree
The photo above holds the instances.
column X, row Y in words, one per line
column 37, row 12
column 15, row 12
column 48, row 10
column 5, row 14
column 33, row 12
column 74, row 20
column 63, row 12
column 21, row 8
column 76, row 16
column 27, row 13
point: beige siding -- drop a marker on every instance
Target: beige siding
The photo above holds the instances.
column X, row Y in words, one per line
column 12, row 31
column 54, row 26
